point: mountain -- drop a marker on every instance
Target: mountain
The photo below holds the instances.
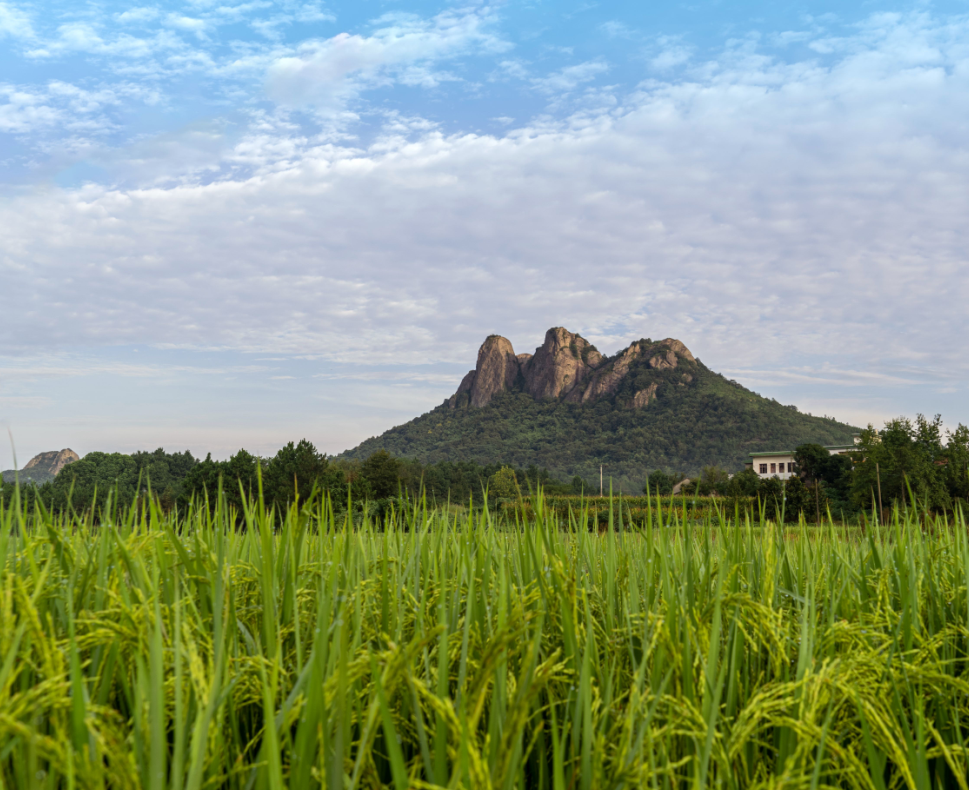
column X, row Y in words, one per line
column 569, row 408
column 43, row 466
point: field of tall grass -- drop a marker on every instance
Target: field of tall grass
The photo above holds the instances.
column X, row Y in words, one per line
column 214, row 649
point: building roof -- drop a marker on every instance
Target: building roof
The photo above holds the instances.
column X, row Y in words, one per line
column 791, row 452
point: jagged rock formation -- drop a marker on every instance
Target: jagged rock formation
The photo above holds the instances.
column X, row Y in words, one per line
column 560, row 365
column 44, row 466
column 51, row 462
column 566, row 367
column 497, row 370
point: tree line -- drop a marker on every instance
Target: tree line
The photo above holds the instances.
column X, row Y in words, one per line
column 889, row 467
column 294, row 474
column 905, row 461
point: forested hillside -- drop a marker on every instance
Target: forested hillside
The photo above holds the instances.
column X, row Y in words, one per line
column 693, row 418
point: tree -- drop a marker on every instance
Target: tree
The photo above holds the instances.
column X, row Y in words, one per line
column 380, row 472
column 811, row 461
column 956, row 471
column 659, row 482
column 902, row 456
column 88, row 481
column 744, row 484
column 237, row 476
column 294, row 471
column 503, row 483
column 798, row 499
column 713, row 480
column 826, row 478
column 771, row 494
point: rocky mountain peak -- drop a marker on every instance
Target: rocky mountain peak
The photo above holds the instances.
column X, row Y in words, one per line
column 51, row 462
column 42, row 467
column 567, row 367
column 560, row 365
column 496, row 371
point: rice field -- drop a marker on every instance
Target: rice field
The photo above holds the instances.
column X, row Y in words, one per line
column 216, row 649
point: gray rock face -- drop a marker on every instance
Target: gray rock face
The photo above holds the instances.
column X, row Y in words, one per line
column 663, row 361
column 563, row 362
column 51, row 462
column 608, row 378
column 496, row 371
column 466, row 383
column 679, row 349
column 643, row 397
column 567, row 367
column 42, row 467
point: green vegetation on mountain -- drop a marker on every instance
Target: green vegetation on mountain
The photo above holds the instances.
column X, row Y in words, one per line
column 35, row 476
column 686, row 426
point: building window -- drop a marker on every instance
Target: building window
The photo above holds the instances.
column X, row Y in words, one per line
column 790, row 467
column 763, row 469
column 773, row 468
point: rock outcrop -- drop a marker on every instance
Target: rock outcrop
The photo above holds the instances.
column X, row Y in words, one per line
column 608, row 378
column 51, row 462
column 42, row 467
column 560, row 365
column 643, row 397
column 567, row 367
column 497, row 370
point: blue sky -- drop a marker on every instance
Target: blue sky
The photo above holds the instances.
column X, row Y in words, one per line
column 227, row 225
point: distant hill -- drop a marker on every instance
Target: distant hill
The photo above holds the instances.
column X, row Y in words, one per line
column 568, row 408
column 42, row 467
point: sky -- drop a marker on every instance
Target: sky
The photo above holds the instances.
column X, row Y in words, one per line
column 229, row 225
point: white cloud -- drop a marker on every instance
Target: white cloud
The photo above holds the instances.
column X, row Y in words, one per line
column 137, row 16
column 615, row 29
column 514, row 69
column 329, row 72
column 86, row 37
column 63, row 107
column 570, row 77
column 313, row 12
column 14, row 22
column 306, row 14
column 672, row 52
column 187, row 23
column 24, row 111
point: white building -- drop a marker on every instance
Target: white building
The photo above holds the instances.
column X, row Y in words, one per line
column 780, row 463
column 776, row 464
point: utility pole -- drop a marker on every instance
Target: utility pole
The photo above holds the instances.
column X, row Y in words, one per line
column 600, row 479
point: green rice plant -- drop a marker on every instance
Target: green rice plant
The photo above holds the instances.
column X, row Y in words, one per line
column 444, row 649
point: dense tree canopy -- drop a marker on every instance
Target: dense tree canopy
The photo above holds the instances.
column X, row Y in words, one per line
column 904, row 459
column 908, row 459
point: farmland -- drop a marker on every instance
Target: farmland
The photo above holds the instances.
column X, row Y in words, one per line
column 262, row 648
